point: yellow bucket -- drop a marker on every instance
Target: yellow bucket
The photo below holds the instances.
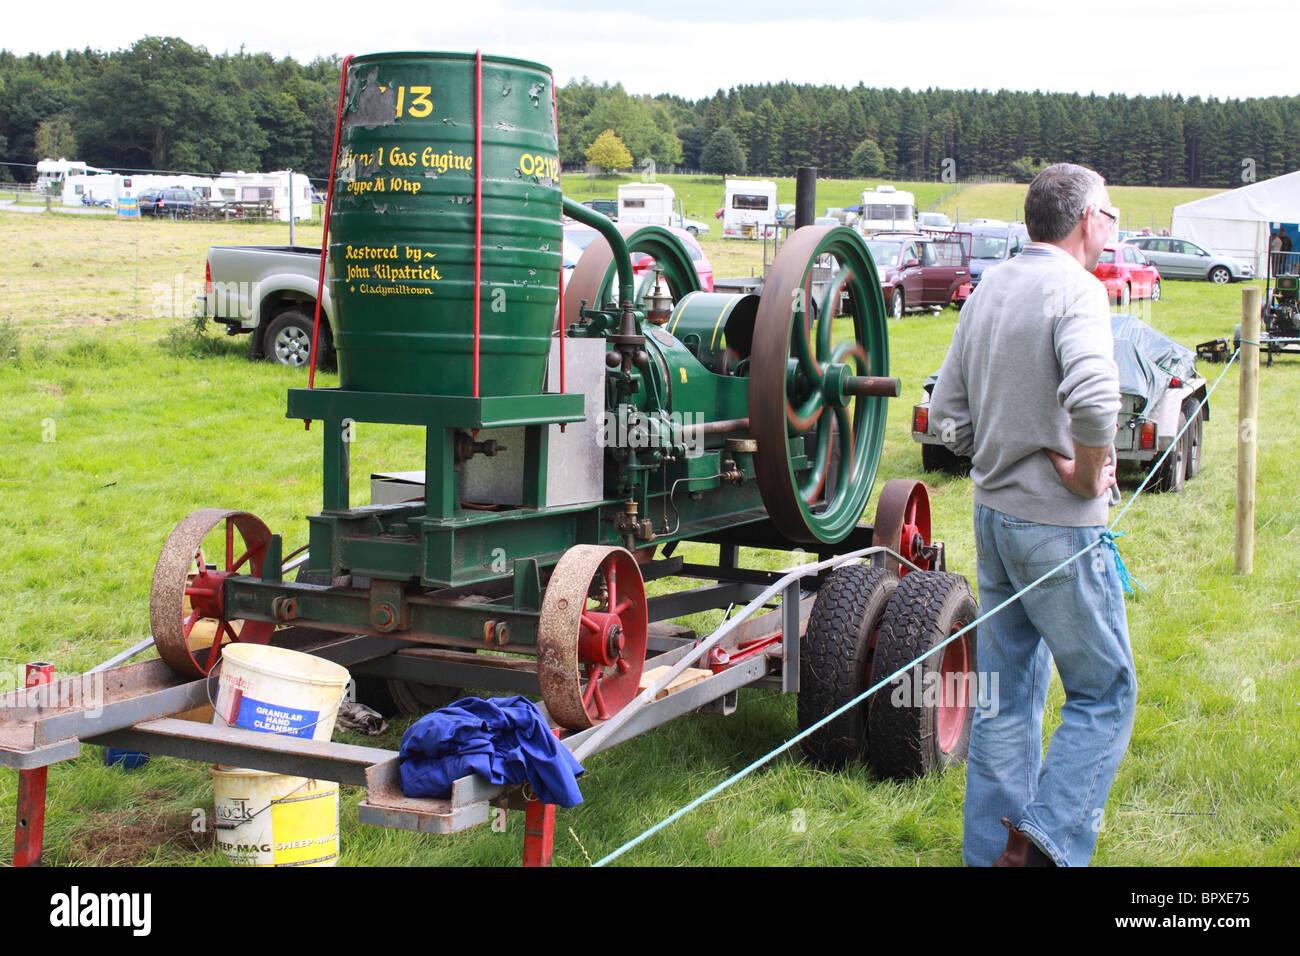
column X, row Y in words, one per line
column 279, row 691
column 268, row 819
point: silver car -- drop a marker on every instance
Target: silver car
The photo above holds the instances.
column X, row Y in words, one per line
column 1184, row 259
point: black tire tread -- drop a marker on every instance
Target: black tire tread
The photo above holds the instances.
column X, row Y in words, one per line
column 1173, row 471
column 1196, row 437
column 834, row 661
column 919, row 616
column 941, row 458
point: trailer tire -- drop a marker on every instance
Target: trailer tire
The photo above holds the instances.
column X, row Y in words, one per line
column 835, row 661
column 1173, row 472
column 287, row 340
column 940, row 458
column 401, row 698
column 1192, row 412
column 909, row 737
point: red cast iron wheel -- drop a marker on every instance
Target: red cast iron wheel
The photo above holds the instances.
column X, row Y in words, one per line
column 903, row 523
column 591, row 639
column 185, row 600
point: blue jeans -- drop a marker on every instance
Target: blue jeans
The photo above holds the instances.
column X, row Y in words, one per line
column 1075, row 617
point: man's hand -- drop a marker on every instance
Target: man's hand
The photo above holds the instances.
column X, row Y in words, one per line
column 1089, row 473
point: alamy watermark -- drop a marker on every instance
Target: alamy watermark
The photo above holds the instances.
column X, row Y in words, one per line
column 181, row 297
column 935, row 689
column 624, row 428
column 83, row 692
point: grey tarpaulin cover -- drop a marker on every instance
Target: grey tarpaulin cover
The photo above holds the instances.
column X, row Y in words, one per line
column 1148, row 359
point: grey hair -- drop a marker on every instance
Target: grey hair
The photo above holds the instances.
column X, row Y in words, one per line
column 1057, row 197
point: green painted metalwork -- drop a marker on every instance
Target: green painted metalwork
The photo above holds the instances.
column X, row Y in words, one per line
column 717, row 328
column 440, row 410
column 402, row 241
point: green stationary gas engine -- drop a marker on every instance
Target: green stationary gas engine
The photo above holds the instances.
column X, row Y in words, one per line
column 567, row 440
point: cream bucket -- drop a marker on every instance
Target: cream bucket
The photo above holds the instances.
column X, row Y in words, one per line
column 279, row 691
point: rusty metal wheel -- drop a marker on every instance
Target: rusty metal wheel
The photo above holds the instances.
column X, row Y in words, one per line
column 593, row 278
column 903, row 524
column 593, row 632
column 806, row 407
column 186, row 599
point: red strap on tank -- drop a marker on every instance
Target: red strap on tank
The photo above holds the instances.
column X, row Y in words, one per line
column 478, row 204
column 325, row 236
column 555, row 112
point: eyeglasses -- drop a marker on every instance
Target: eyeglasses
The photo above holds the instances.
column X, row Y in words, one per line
column 1108, row 214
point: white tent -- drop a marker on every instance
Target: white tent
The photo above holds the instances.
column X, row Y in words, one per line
column 1236, row 223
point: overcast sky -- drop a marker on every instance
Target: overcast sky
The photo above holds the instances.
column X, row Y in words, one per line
column 694, row 47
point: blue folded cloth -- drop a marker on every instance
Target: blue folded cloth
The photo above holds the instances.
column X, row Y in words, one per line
column 503, row 740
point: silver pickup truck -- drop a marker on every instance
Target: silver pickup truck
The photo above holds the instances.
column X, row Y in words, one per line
column 270, row 293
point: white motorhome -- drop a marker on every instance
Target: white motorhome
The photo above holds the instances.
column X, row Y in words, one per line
column 886, row 209
column 51, row 173
column 749, row 209
column 646, row 203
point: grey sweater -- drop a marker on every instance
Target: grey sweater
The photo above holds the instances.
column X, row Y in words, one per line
column 1031, row 366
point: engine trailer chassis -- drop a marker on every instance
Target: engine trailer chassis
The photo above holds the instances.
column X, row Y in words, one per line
column 137, row 705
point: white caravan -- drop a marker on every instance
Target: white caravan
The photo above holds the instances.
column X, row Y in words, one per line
column 749, row 209
column 646, row 203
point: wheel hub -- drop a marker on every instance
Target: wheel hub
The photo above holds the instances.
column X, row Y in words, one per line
column 601, row 640
column 205, row 591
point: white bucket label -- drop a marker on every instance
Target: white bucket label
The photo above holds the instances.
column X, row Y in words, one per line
column 274, row 719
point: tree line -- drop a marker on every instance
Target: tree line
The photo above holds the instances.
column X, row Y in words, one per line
column 165, row 104
column 936, row 134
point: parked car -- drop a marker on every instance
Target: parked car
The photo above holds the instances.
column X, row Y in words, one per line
column 1125, row 272
column 785, row 215
column 933, row 220
column 1160, row 392
column 173, row 202
column 148, row 201
column 992, row 241
column 1184, row 259
column 580, row 236
column 919, row 271
column 694, row 226
column 606, row 207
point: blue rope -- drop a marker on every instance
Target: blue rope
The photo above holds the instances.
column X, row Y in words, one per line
column 1107, row 537
column 1126, row 580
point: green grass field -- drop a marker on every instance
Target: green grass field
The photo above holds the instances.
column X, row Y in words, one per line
column 120, row 421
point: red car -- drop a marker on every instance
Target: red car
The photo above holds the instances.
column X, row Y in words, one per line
column 1127, row 274
column 921, row 271
column 581, row 236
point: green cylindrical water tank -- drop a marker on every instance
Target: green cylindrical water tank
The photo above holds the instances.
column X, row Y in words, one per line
column 402, row 225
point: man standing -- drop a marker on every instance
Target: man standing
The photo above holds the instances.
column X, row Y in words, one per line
column 1030, row 390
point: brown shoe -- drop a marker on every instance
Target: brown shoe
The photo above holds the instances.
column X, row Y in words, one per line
column 1021, row 851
